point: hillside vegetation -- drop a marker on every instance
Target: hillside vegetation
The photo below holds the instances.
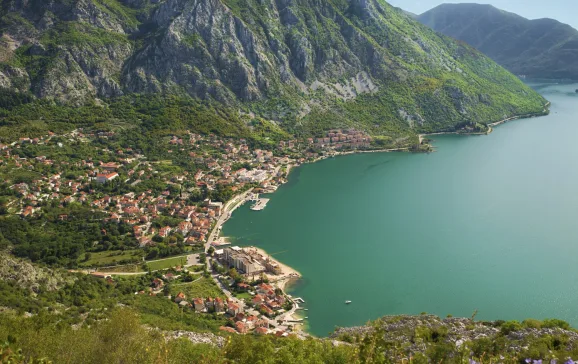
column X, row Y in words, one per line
column 306, row 65
column 541, row 48
column 76, row 318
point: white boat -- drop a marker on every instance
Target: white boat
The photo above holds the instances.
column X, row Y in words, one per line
column 347, row 302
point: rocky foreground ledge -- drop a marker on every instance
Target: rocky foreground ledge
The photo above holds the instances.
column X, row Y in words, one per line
column 463, row 339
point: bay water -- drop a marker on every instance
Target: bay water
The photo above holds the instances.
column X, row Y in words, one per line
column 486, row 223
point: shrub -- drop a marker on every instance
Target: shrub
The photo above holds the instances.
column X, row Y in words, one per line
column 532, row 323
column 510, row 326
column 551, row 323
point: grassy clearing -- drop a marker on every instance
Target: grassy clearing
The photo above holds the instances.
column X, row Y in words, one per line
column 204, row 287
column 109, row 258
column 167, row 263
column 243, row 296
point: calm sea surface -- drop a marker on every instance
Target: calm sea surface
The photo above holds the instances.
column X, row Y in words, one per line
column 486, row 222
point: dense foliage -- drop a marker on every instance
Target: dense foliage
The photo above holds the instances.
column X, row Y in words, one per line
column 123, row 339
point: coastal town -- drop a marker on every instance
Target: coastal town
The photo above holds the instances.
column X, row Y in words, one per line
column 250, row 301
column 150, row 209
column 221, row 164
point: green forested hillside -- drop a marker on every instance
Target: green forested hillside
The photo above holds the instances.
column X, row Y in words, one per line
column 541, row 48
column 308, row 65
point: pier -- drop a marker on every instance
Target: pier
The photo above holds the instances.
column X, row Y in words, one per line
column 260, row 204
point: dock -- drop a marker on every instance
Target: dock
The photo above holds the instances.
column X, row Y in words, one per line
column 260, row 204
column 299, row 299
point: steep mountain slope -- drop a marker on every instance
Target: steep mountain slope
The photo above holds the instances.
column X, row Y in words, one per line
column 542, row 48
column 310, row 64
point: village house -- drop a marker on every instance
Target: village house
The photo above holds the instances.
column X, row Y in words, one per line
column 233, row 308
column 243, row 286
column 241, row 327
column 109, row 166
column 266, row 289
column 199, row 304
column 106, row 177
column 180, row 297
column 228, row 329
column 217, row 207
column 157, row 283
column 185, row 227
column 266, row 310
column 210, row 303
column 165, row 231
column 219, row 305
column 261, row 331
column 258, row 299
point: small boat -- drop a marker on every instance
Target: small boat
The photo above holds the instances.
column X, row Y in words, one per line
column 347, row 302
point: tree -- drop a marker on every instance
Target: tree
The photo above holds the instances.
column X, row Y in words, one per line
column 167, row 289
column 233, row 273
column 152, row 253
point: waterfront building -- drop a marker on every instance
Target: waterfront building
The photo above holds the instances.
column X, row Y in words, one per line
column 241, row 261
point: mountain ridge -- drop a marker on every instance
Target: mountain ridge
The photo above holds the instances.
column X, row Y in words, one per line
column 539, row 48
column 304, row 64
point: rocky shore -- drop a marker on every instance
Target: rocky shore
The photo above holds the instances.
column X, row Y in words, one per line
column 419, row 333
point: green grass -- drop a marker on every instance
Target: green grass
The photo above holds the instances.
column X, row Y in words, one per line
column 108, row 258
column 204, row 287
column 243, row 296
column 167, row 263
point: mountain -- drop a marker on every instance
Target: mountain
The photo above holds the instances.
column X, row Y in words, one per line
column 307, row 65
column 541, row 48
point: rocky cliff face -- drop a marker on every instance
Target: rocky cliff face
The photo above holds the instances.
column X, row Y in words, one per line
column 541, row 48
column 288, row 60
column 68, row 51
column 27, row 276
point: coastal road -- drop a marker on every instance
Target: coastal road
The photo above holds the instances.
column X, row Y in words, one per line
column 229, row 207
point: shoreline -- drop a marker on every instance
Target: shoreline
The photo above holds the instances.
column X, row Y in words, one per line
column 287, row 273
column 490, row 126
column 290, row 274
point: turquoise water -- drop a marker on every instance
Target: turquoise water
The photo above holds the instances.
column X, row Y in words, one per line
column 487, row 223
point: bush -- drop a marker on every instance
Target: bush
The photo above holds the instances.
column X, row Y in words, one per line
column 552, row 323
column 510, row 326
column 532, row 323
